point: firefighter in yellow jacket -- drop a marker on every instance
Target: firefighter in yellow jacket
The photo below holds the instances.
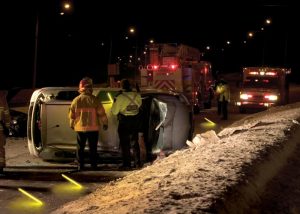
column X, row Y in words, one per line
column 126, row 107
column 86, row 114
column 5, row 120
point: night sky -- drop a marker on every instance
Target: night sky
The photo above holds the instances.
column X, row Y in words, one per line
column 78, row 43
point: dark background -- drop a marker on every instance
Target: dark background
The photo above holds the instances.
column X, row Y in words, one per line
column 78, row 43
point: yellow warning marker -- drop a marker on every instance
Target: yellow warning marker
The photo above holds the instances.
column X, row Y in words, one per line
column 30, row 196
column 208, row 120
column 71, row 180
column 110, row 97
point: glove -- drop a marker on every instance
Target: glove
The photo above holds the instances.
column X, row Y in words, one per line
column 105, row 127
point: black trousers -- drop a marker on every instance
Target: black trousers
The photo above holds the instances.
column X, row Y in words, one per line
column 225, row 109
column 219, row 107
column 92, row 138
column 128, row 129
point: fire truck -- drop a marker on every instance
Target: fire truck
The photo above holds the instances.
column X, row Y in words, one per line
column 263, row 87
column 178, row 68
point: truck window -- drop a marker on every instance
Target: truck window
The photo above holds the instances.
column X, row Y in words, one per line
column 261, row 82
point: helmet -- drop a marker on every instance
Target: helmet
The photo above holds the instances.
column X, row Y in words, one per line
column 85, row 84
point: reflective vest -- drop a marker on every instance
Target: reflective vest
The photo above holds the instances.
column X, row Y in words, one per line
column 86, row 113
column 127, row 104
column 224, row 92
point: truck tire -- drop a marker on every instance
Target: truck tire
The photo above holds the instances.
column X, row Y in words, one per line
column 196, row 109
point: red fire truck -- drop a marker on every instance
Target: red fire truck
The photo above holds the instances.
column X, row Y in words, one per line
column 263, row 87
column 179, row 68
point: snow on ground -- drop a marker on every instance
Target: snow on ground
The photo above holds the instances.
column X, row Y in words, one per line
column 221, row 173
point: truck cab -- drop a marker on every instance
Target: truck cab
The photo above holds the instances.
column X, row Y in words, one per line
column 263, row 87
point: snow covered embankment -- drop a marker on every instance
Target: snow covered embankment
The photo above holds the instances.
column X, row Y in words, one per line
column 221, row 173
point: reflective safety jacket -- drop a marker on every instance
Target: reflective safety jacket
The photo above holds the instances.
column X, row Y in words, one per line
column 223, row 92
column 86, row 113
column 127, row 104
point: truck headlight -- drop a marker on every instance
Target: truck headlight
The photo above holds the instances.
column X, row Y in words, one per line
column 271, row 97
column 245, row 96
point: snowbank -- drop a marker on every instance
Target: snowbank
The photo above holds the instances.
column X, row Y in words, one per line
column 221, row 173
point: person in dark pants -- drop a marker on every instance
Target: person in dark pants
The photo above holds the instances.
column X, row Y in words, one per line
column 85, row 114
column 126, row 107
column 223, row 94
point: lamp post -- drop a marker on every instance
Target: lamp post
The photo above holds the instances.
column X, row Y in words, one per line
column 267, row 22
column 65, row 7
column 35, row 51
column 132, row 31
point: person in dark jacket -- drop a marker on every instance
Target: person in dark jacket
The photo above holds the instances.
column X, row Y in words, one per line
column 5, row 121
column 85, row 114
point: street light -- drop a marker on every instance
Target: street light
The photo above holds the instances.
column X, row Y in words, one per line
column 66, row 7
column 132, row 31
column 267, row 22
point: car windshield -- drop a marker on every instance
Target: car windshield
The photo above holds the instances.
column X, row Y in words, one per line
column 261, row 82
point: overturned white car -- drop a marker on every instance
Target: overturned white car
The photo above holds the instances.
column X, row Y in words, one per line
column 168, row 123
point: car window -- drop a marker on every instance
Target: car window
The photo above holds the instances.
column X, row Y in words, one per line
column 107, row 96
column 67, row 95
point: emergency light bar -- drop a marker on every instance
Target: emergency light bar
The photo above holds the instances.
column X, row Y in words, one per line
column 263, row 73
column 156, row 67
column 271, row 73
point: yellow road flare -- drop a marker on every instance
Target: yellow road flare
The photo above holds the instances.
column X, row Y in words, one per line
column 110, row 97
column 30, row 196
column 71, row 180
column 208, row 120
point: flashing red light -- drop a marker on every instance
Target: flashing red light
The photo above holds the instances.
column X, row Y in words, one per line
column 152, row 67
column 271, row 73
column 173, row 66
column 155, row 67
column 253, row 73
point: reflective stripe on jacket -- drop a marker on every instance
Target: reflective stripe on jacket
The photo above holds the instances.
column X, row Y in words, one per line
column 86, row 113
column 127, row 104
